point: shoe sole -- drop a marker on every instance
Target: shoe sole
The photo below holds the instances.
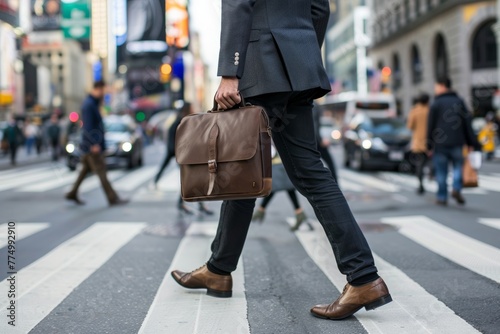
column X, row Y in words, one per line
column 371, row 306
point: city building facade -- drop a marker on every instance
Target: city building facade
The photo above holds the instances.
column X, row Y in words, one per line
column 346, row 45
column 421, row 40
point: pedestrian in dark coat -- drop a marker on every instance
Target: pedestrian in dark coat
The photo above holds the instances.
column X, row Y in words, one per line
column 14, row 138
column 449, row 129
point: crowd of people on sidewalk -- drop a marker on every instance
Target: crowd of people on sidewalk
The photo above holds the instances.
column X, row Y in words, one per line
column 33, row 135
column 443, row 133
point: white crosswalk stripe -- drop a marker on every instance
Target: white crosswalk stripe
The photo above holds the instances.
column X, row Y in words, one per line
column 22, row 231
column 224, row 315
column 135, row 179
column 46, row 282
column 491, row 222
column 459, row 248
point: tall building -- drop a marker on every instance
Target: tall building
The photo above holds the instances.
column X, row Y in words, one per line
column 421, row 40
column 345, row 46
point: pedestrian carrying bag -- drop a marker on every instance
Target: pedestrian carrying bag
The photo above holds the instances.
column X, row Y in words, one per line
column 469, row 175
column 225, row 154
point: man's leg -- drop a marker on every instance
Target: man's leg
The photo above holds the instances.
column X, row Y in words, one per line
column 234, row 221
column 81, row 176
column 457, row 159
column 98, row 166
column 293, row 135
column 441, row 170
column 169, row 156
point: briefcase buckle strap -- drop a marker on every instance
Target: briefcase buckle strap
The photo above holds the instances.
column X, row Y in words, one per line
column 212, row 166
column 212, row 157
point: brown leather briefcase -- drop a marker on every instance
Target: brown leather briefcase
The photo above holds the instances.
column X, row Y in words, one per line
column 225, row 154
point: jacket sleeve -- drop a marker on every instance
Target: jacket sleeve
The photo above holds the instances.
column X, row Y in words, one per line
column 320, row 12
column 236, row 24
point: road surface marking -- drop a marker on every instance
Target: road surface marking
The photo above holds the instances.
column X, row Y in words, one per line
column 171, row 182
column 179, row 310
column 413, row 309
column 489, row 182
column 491, row 222
column 135, row 179
column 465, row 251
column 18, row 181
column 45, row 283
column 350, row 186
column 369, row 181
column 23, row 230
column 93, row 182
column 17, row 173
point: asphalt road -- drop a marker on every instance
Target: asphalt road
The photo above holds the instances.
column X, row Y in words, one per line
column 96, row 269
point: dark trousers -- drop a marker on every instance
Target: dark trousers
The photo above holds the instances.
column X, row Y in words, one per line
column 418, row 160
column 442, row 158
column 13, row 153
column 95, row 163
column 294, row 138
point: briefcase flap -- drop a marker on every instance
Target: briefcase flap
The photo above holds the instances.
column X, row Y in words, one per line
column 237, row 138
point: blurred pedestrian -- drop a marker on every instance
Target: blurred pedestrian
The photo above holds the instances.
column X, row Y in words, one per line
column 270, row 54
column 281, row 182
column 487, row 136
column 54, row 135
column 14, row 138
column 417, row 123
column 449, row 129
column 31, row 135
column 93, row 146
column 184, row 111
column 323, row 143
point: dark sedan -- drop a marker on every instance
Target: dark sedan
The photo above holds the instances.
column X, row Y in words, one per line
column 124, row 144
column 376, row 143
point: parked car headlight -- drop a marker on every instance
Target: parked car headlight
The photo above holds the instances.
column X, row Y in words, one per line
column 70, row 148
column 126, row 147
column 367, row 144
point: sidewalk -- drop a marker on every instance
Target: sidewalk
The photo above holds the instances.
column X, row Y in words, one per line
column 23, row 159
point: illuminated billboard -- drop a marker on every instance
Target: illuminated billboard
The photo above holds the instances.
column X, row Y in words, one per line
column 177, row 20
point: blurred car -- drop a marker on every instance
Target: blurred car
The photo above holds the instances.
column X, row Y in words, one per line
column 330, row 131
column 376, row 143
column 124, row 144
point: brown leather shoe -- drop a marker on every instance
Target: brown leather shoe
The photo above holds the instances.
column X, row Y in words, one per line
column 458, row 197
column 353, row 298
column 201, row 278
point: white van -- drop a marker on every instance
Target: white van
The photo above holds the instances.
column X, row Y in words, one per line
column 348, row 104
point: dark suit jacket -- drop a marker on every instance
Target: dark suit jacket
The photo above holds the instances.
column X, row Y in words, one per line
column 274, row 45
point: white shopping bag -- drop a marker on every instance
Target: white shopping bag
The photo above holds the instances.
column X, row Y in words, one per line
column 475, row 159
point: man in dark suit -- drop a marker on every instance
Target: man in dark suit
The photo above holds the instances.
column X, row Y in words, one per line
column 270, row 54
column 93, row 147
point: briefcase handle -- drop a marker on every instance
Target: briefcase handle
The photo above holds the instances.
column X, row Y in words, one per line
column 215, row 108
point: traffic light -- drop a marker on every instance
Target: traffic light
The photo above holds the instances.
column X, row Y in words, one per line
column 386, row 74
column 165, row 73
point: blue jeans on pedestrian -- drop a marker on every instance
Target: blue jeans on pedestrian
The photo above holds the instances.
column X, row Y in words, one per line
column 442, row 158
column 294, row 137
column 30, row 142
